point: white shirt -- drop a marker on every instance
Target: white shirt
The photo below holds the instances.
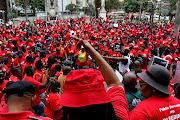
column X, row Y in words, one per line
column 123, row 67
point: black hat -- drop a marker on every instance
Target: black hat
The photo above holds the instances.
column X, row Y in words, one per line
column 158, row 77
column 20, row 88
column 68, row 62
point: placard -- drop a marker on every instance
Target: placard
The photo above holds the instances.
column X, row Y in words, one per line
column 160, row 61
column 117, row 47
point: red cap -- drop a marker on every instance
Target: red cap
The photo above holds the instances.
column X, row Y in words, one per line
column 84, row 87
column 174, row 35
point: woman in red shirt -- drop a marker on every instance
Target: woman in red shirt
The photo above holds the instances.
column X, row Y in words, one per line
column 159, row 105
column 52, row 108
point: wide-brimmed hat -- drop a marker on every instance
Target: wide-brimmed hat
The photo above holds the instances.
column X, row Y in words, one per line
column 84, row 87
column 158, row 77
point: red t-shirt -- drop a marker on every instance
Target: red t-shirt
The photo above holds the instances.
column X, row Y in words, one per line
column 119, row 102
column 52, row 104
column 146, row 55
column 43, row 60
column 61, row 53
column 155, row 43
column 132, row 52
column 3, row 107
column 163, row 42
column 25, row 115
column 2, row 87
column 169, row 58
column 37, row 92
column 70, row 51
column 176, row 56
column 25, row 65
column 55, row 54
column 4, row 53
column 157, row 108
column 112, row 54
column 20, row 61
column 136, row 46
column 174, row 45
column 37, row 74
column 14, row 78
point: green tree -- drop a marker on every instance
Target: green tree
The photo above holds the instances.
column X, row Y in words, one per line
column 131, row 5
column 71, row 7
column 112, row 5
column 90, row 10
column 34, row 5
column 172, row 6
column 134, row 5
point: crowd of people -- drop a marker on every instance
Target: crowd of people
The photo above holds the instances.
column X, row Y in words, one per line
column 73, row 70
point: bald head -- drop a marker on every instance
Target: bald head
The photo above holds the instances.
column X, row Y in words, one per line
column 129, row 81
column 125, row 51
column 137, row 64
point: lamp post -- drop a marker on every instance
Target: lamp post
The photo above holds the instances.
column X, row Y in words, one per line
column 62, row 11
column 77, row 5
column 25, row 3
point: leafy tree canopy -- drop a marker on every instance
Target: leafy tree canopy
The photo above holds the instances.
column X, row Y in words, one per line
column 90, row 10
column 71, row 7
column 172, row 5
column 112, row 5
column 33, row 4
column 134, row 5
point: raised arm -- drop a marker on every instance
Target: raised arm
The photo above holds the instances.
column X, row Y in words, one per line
column 107, row 72
column 43, row 85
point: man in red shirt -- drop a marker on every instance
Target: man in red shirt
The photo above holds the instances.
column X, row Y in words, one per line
column 111, row 52
column 132, row 52
column 29, row 62
column 19, row 61
column 3, row 51
column 16, row 75
column 144, row 54
column 70, row 51
column 38, row 105
column 41, row 57
column 19, row 96
column 173, row 44
column 176, row 55
column 57, row 53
